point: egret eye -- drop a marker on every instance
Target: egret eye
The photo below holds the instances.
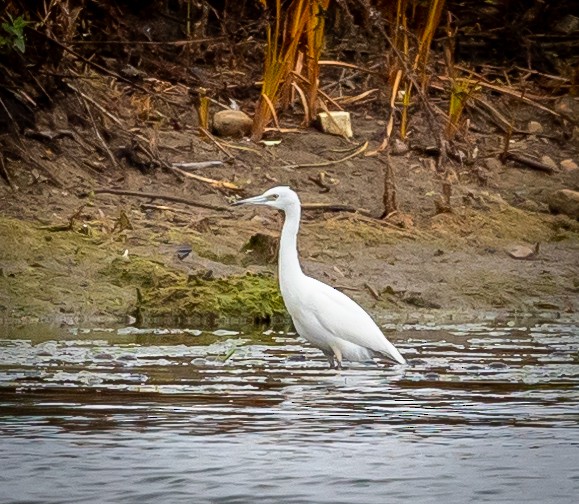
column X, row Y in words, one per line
column 273, row 197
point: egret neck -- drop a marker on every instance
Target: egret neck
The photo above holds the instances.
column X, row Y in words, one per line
column 290, row 271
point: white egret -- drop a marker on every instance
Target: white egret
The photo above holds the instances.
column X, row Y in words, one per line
column 324, row 316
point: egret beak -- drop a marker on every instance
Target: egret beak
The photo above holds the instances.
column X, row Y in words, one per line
column 256, row 200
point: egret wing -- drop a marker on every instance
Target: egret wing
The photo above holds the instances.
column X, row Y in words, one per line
column 345, row 319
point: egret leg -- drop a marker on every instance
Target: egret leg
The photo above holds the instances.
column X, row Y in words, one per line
column 331, row 361
column 338, row 357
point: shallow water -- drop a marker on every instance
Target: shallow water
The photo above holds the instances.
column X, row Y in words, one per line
column 481, row 413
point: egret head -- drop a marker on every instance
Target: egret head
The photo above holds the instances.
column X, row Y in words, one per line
column 281, row 197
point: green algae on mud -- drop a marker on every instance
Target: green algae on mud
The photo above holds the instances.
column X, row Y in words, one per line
column 164, row 292
column 48, row 274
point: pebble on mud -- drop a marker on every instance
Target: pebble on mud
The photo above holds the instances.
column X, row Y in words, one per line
column 399, row 148
column 568, row 165
column 493, row 164
column 524, row 252
column 565, row 201
column 232, row 123
column 546, row 160
column 568, row 106
column 534, row 127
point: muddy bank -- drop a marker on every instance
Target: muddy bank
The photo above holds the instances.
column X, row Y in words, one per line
column 51, row 273
column 72, row 251
column 455, row 265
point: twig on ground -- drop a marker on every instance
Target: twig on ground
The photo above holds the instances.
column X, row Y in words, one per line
column 216, row 142
column 167, row 197
column 9, row 115
column 359, row 150
column 503, row 123
column 330, row 207
column 505, row 90
column 150, row 206
column 196, row 165
column 218, row 184
column 68, row 226
column 97, row 105
column 368, row 219
column 98, row 133
column 4, row 172
column 30, row 159
column 528, row 162
column 372, row 291
column 348, row 65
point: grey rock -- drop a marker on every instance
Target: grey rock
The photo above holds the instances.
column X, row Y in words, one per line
column 565, row 201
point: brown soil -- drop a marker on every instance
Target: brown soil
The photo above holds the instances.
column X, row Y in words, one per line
column 61, row 251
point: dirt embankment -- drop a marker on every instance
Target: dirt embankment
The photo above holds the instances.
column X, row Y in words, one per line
column 70, row 253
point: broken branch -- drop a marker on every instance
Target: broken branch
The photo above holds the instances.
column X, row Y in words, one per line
column 528, row 162
column 330, row 207
column 167, row 197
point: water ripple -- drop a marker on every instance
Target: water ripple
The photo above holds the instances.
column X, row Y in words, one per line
column 481, row 413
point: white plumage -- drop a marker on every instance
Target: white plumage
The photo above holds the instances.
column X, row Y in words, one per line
column 325, row 317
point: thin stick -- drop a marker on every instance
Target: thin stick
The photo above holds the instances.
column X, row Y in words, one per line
column 177, row 43
column 500, row 120
column 98, row 134
column 348, row 65
column 14, row 123
column 506, row 91
column 218, row 184
column 330, row 207
column 372, row 291
column 216, row 142
column 41, row 166
column 4, row 172
column 167, row 197
column 197, row 165
column 150, row 206
column 361, row 149
column 529, row 162
column 97, row 105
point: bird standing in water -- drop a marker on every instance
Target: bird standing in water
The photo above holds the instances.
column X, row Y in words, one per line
column 324, row 316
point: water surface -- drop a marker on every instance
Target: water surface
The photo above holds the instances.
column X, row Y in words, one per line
column 481, row 413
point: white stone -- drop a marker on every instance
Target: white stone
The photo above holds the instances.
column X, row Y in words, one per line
column 336, row 123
